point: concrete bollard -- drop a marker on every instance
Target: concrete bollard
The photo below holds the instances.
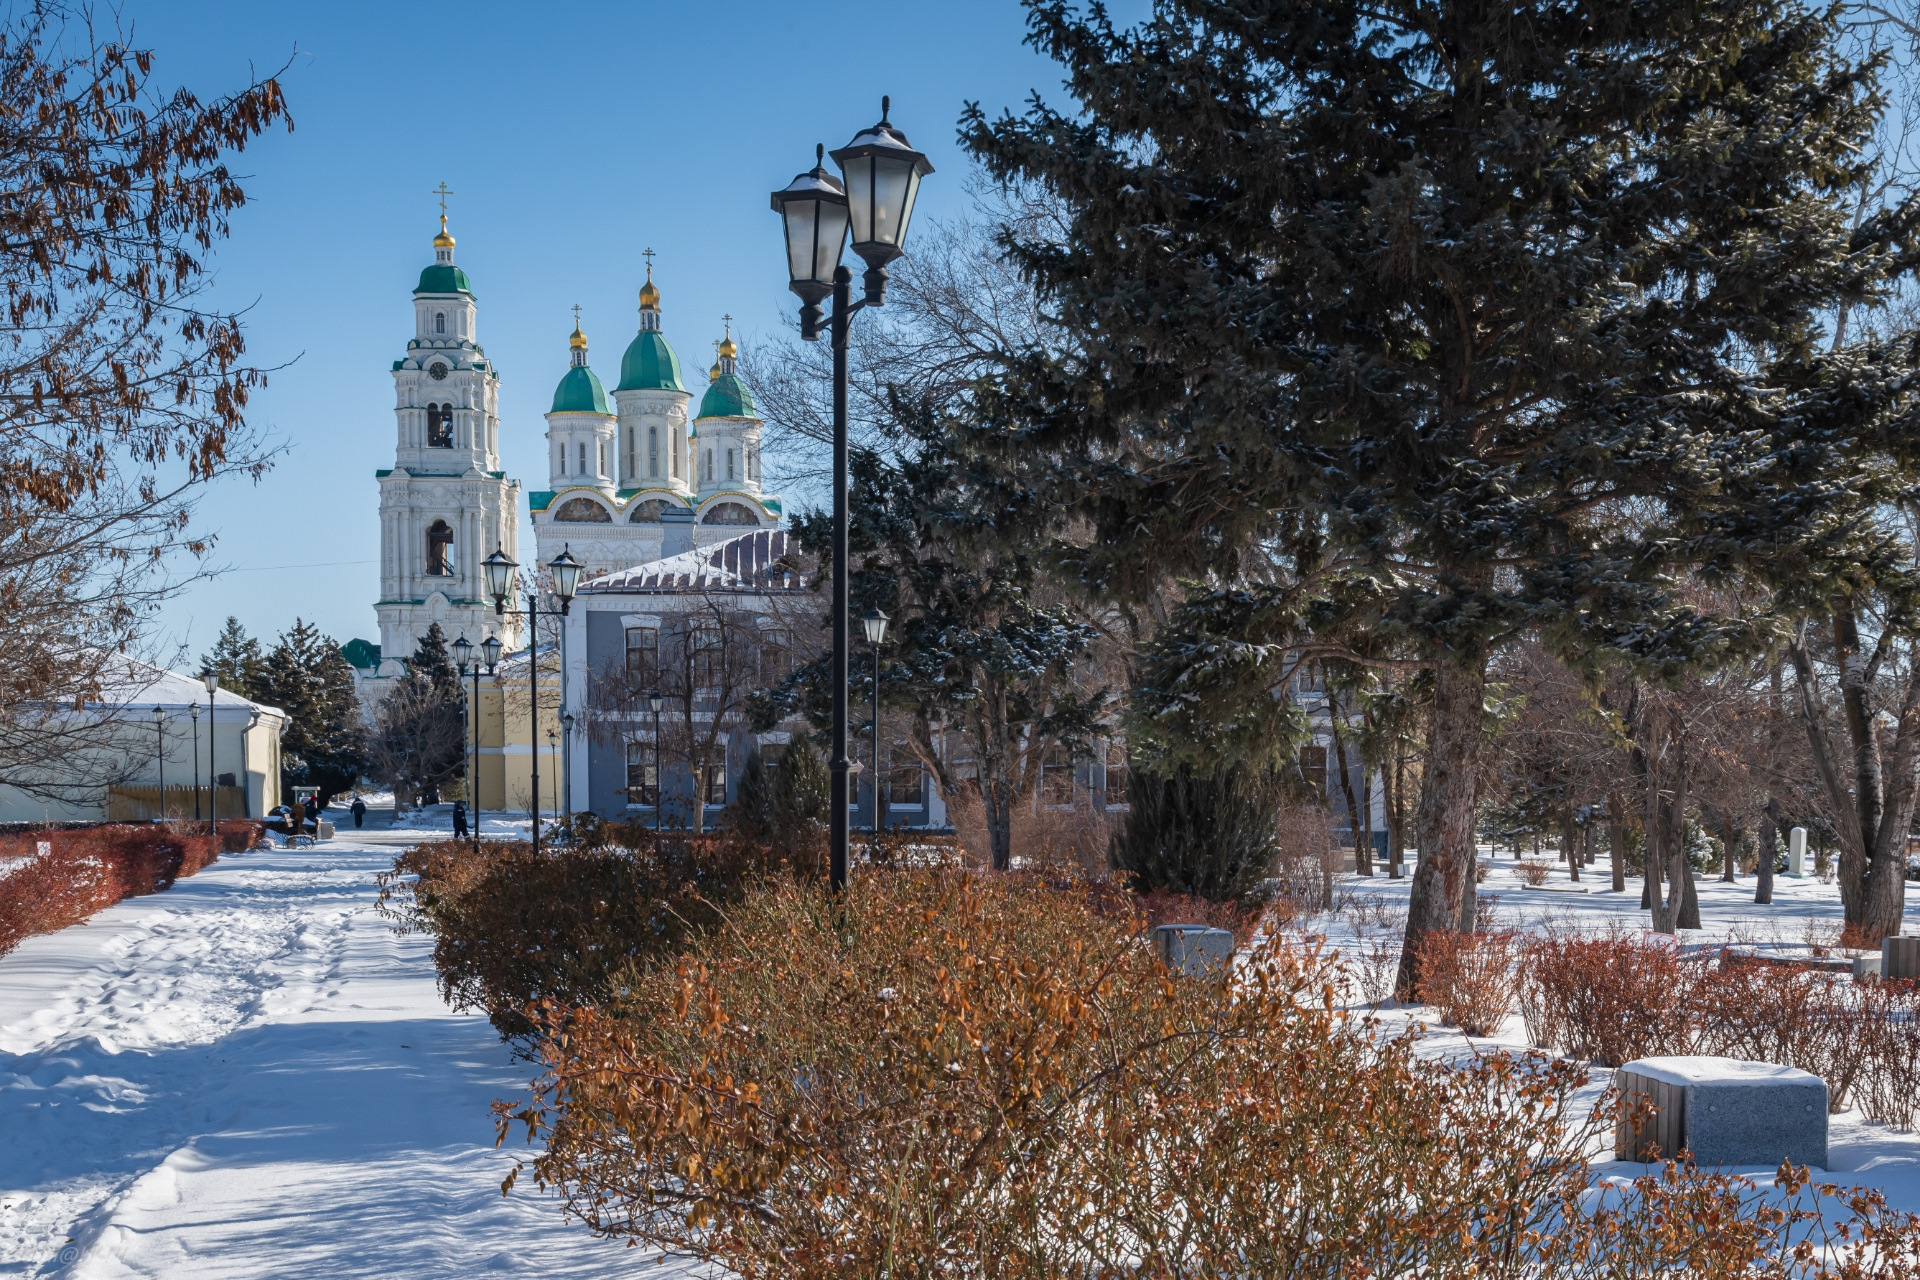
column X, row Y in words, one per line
column 1900, row 957
column 1193, row 949
column 1723, row 1110
column 1797, row 852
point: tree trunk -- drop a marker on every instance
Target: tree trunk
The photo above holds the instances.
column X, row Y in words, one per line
column 1733, row 838
column 1767, row 853
column 1366, row 820
column 1362, row 859
column 1570, row 843
column 1442, row 890
column 1617, row 840
column 1394, row 782
column 1659, row 756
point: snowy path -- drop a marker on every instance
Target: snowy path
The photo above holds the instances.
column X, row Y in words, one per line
column 251, row 1075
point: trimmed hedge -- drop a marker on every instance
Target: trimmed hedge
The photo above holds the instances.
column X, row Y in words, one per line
column 89, row 869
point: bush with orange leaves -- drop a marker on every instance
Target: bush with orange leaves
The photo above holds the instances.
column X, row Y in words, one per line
column 1468, row 977
column 947, row 1075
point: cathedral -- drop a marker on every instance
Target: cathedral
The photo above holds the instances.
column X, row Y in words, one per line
column 630, row 478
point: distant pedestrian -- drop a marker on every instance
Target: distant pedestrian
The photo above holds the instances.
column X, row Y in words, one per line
column 313, row 811
column 359, row 811
column 460, row 818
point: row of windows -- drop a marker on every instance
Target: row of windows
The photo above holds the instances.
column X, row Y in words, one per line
column 581, row 469
column 706, row 652
column 752, row 467
column 652, row 511
column 906, row 783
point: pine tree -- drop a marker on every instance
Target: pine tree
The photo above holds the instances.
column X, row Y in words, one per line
column 1386, row 316
column 800, row 786
column 324, row 743
column 1206, row 834
column 432, row 661
column 236, row 659
column 753, row 812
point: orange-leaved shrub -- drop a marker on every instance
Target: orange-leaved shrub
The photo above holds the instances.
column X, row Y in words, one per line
column 512, row 927
column 1468, row 977
column 88, row 869
column 944, row 1074
column 1605, row 1000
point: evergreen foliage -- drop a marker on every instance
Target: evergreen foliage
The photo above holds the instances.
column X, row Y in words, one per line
column 753, row 800
column 433, row 663
column 978, row 640
column 799, row 791
column 236, row 659
column 1209, row 834
column 1403, row 329
column 324, row 742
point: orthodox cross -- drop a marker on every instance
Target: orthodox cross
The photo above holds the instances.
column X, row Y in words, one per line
column 576, row 317
column 648, row 255
column 443, row 191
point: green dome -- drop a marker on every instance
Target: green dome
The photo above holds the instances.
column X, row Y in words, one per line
column 727, row 397
column 580, row 392
column 649, row 365
column 444, row 277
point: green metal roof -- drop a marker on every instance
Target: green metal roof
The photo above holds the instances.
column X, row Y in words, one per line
column 443, row 277
column 580, row 392
column 364, row 654
column 650, row 365
column 727, row 397
column 538, row 499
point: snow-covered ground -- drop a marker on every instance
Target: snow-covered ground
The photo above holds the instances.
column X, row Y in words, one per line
column 1371, row 913
column 250, row 1075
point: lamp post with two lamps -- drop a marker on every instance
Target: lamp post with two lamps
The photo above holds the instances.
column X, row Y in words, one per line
column 490, row 658
column 874, row 200
column 499, row 569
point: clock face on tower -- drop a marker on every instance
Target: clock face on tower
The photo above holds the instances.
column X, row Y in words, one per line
column 436, row 371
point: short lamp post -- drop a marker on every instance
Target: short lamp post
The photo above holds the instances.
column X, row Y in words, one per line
column 566, row 759
column 873, row 199
column 499, row 568
column 655, row 701
column 193, row 710
column 213, row 777
column 160, row 755
column 876, row 624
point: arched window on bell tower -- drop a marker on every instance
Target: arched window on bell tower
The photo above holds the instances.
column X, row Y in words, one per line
column 440, row 426
column 439, row 322
column 439, row 550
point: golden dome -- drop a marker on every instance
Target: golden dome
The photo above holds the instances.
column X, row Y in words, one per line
column 443, row 240
column 649, row 296
column 713, row 372
column 579, row 340
column 727, row 349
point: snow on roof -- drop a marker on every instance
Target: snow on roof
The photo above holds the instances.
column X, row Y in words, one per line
column 751, row 560
column 131, row 683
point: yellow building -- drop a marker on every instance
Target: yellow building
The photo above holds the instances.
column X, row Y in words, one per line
column 506, row 740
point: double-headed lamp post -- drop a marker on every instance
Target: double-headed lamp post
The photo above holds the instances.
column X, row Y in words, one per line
column 490, row 656
column 499, row 569
column 874, row 201
column 875, row 623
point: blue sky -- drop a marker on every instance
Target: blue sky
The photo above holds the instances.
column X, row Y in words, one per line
column 573, row 137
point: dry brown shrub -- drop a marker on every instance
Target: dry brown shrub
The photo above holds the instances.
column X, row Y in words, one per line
column 1468, row 977
column 88, row 869
column 941, row 1074
column 1534, row 873
column 1890, row 1090
column 1605, row 1000
column 1798, row 1018
column 512, row 927
column 1045, row 836
column 1308, row 861
column 1163, row 907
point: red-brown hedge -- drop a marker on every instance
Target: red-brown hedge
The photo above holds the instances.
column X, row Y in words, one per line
column 90, row 869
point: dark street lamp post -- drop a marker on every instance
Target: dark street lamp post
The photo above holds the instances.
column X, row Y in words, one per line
column 882, row 174
column 160, row 755
column 876, row 625
column 499, row 569
column 213, row 778
column 566, row 759
column 655, row 701
column 193, row 709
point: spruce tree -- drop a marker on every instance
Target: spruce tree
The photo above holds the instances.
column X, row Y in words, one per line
column 235, row 658
column 1206, row 834
column 1407, row 328
column 324, row 742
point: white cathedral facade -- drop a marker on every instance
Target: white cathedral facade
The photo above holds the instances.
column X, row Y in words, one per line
column 631, row 478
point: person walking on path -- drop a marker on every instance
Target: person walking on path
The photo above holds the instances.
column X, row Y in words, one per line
column 359, row 811
column 460, row 819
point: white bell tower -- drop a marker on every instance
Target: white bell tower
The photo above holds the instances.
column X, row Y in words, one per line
column 445, row 504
